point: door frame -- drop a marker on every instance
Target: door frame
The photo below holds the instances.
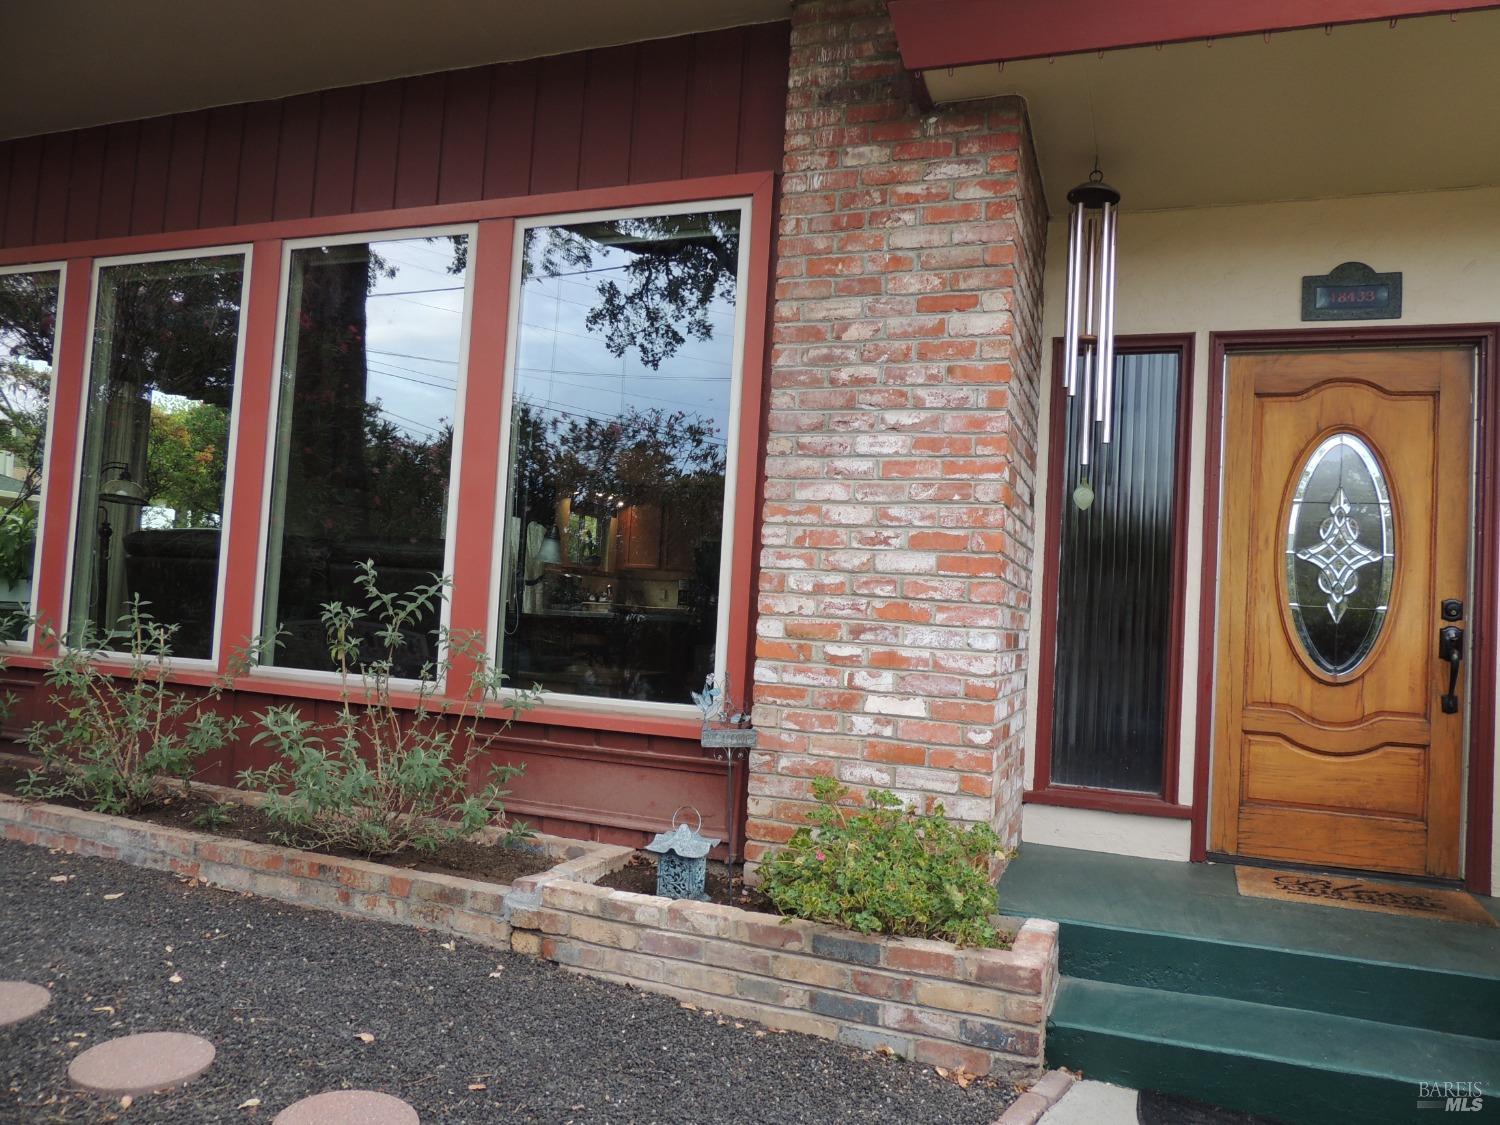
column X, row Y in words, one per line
column 1484, row 619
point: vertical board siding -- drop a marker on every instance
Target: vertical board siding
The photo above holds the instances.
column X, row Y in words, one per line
column 185, row 170
column 221, row 166
column 85, row 181
column 699, row 105
column 25, row 178
column 53, row 188
column 466, row 121
column 338, row 145
column 256, row 198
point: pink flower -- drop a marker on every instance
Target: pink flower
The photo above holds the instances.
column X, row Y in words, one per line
column 820, row 856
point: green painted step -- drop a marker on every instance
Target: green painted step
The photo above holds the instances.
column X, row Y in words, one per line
column 1184, row 928
column 1286, row 1063
column 1418, row 996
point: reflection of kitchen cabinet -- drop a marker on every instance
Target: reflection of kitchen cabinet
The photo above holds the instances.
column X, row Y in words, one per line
column 677, row 542
column 639, row 537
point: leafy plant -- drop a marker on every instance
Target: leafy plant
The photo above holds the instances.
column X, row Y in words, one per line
column 886, row 869
column 17, row 542
column 387, row 773
column 214, row 816
column 118, row 728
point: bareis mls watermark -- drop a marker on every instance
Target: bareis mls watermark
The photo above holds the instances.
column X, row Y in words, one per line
column 1452, row 1097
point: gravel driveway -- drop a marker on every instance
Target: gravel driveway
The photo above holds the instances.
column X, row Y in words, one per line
column 285, row 994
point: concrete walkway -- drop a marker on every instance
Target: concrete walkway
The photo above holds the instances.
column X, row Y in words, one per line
column 1093, row 1103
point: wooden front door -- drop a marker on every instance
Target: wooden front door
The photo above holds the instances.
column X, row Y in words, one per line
column 1346, row 516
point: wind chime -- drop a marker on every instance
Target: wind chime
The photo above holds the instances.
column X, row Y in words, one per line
column 1089, row 324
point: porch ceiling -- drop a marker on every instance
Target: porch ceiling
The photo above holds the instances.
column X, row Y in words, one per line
column 1360, row 109
column 72, row 63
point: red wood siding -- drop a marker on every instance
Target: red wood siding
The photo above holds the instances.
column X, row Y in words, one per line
column 616, row 786
column 700, row 105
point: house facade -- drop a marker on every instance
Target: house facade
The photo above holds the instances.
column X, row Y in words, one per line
column 726, row 341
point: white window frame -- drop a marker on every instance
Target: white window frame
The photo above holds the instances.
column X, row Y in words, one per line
column 27, row 641
column 245, row 251
column 603, row 704
column 295, row 676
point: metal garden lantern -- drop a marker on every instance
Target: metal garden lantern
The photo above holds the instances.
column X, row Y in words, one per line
column 682, row 866
column 1089, row 322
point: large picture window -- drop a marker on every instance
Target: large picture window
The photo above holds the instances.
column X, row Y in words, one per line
column 1115, row 582
column 28, row 338
column 151, row 494
column 619, row 443
column 370, row 375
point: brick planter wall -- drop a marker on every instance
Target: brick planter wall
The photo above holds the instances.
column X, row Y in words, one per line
column 897, row 522
column 468, row 908
column 984, row 1010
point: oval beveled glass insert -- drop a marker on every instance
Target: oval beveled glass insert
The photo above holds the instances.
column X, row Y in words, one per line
column 1340, row 554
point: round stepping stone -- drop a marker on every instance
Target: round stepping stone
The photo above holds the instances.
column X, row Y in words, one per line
column 138, row 1064
column 348, row 1107
column 20, row 1000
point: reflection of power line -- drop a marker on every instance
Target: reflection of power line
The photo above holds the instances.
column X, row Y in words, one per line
column 638, row 394
column 431, row 431
column 594, row 304
column 411, row 292
column 408, row 355
column 423, row 304
column 435, row 376
column 410, row 379
column 596, row 340
column 624, row 375
column 587, row 416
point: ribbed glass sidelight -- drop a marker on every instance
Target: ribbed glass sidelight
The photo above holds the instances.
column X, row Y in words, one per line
column 1114, row 603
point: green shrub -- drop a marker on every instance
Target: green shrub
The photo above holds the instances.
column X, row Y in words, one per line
column 886, row 869
column 391, row 768
column 121, row 726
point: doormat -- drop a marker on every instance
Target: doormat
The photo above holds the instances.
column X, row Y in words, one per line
column 1361, row 894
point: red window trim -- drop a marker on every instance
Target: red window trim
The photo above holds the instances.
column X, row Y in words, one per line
column 1044, row 791
column 479, row 471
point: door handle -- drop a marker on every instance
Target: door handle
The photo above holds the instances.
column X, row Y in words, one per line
column 1451, row 649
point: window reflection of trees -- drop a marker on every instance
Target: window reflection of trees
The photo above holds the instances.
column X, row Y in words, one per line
column 616, row 527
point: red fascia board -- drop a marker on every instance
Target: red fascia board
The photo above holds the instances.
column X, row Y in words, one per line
column 944, row 33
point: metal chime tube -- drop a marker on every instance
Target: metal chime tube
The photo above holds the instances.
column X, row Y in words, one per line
column 1089, row 320
column 1107, row 328
column 1070, row 329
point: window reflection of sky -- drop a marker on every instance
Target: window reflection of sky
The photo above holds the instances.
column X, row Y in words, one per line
column 413, row 335
column 564, row 368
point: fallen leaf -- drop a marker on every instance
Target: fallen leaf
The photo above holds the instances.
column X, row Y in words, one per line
column 106, row 1009
column 126, row 1102
column 59, row 878
column 689, row 1007
column 364, row 1037
column 450, row 946
column 175, row 978
column 111, row 898
column 249, row 1103
column 476, row 1086
column 760, row 1035
column 886, row 1050
column 942, row 1071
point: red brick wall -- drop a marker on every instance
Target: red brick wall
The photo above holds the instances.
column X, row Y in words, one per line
column 901, row 445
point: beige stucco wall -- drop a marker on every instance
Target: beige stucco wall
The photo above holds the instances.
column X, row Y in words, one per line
column 1236, row 268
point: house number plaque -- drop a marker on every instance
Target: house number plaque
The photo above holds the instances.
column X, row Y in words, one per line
column 1352, row 291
